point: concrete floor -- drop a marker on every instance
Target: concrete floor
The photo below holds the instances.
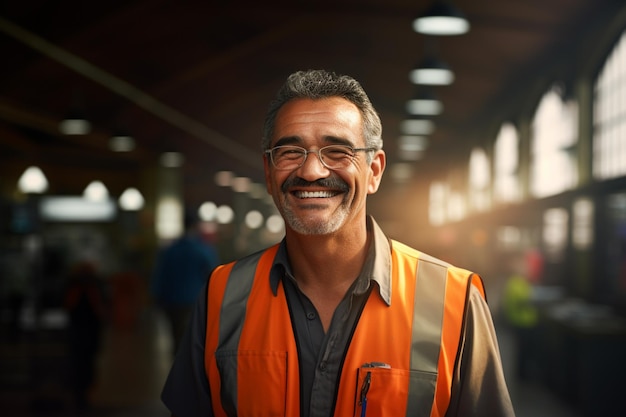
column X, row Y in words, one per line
column 133, row 364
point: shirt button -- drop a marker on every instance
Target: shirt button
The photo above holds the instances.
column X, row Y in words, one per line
column 310, row 316
column 323, row 365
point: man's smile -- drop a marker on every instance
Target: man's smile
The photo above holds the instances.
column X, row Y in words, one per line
column 322, row 188
column 315, row 194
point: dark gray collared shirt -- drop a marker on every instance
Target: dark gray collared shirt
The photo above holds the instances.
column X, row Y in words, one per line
column 321, row 355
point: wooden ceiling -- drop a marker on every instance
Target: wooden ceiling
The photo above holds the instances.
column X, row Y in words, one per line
column 197, row 76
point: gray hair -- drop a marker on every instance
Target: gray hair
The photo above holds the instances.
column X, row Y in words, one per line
column 319, row 84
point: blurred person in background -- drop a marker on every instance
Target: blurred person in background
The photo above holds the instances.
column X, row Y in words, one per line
column 128, row 292
column 181, row 271
column 15, row 284
column 521, row 311
column 87, row 303
column 337, row 319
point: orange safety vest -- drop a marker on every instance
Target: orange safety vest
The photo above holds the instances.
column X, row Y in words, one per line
column 251, row 359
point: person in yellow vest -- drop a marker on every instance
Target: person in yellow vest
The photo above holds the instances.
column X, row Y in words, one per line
column 522, row 313
column 337, row 319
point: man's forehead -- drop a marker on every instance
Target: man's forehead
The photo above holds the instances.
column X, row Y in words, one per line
column 331, row 110
column 330, row 121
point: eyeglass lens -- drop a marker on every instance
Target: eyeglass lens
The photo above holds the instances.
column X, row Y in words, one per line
column 291, row 157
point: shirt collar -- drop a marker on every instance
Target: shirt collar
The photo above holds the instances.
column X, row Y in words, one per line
column 377, row 266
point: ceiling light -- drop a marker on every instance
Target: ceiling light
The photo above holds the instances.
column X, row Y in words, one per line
column 412, row 143
column 121, row 143
column 224, row 214
column 241, row 184
column 207, row 211
column 275, row 224
column 441, row 18
column 224, row 178
column 424, row 104
column 432, row 72
column 33, row 181
column 75, row 122
column 172, row 159
column 96, row 191
column 254, row 219
column 417, row 127
column 131, row 200
column 75, row 126
column 424, row 107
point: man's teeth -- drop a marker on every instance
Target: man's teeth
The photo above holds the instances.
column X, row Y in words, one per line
column 314, row 194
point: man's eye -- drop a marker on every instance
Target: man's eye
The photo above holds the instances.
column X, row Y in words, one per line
column 289, row 153
column 337, row 153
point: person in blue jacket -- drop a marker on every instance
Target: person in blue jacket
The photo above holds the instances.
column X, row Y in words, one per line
column 181, row 270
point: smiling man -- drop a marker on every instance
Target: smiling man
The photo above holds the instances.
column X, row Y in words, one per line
column 337, row 319
column 331, row 186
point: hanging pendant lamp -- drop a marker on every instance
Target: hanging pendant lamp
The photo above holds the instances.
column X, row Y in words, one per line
column 442, row 18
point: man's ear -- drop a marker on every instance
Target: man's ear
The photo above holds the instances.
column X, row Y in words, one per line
column 377, row 167
column 266, row 169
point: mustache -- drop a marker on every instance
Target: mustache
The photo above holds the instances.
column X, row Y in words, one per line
column 333, row 182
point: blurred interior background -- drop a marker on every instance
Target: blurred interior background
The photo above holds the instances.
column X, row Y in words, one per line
column 506, row 146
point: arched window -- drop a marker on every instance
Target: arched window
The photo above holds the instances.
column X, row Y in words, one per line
column 554, row 232
column 445, row 204
column 479, row 181
column 506, row 185
column 437, row 212
column 609, row 137
column 582, row 223
column 553, row 142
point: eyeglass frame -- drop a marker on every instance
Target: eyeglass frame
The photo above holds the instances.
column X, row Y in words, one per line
column 306, row 152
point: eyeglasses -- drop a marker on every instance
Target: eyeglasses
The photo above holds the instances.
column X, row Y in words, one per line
column 290, row 157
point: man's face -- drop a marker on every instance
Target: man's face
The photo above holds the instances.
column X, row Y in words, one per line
column 314, row 199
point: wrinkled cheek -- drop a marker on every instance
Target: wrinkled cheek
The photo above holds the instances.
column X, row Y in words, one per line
column 355, row 198
column 281, row 201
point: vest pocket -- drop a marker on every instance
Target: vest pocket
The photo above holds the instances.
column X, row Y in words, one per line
column 253, row 383
column 394, row 392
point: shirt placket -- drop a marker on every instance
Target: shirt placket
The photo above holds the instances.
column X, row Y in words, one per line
column 329, row 363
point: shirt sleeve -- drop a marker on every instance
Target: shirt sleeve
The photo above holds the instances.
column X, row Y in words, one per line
column 479, row 387
column 186, row 391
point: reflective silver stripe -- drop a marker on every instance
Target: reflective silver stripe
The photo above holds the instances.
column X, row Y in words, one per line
column 428, row 312
column 232, row 316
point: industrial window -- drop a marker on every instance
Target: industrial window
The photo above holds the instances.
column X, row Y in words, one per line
column 582, row 223
column 437, row 203
column 479, row 181
column 456, row 206
column 609, row 138
column 445, row 204
column 553, row 142
column 614, row 259
column 554, row 233
column 506, row 186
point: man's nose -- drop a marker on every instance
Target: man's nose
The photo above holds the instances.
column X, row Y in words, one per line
column 313, row 168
